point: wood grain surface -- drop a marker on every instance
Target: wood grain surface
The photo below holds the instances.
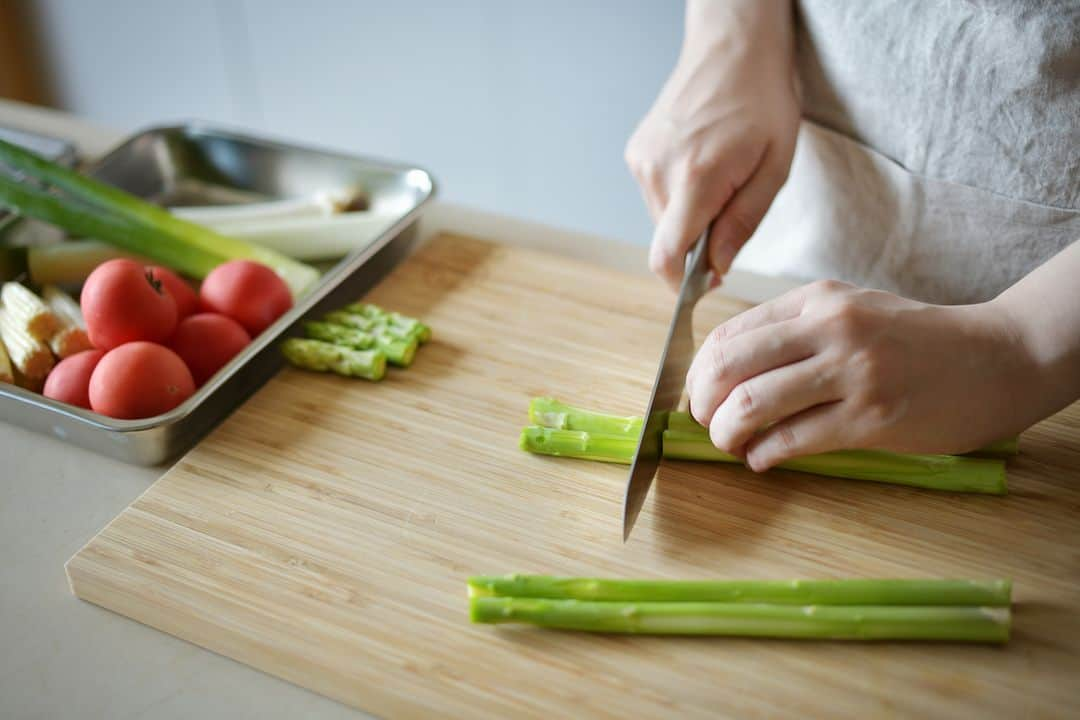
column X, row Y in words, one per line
column 323, row 533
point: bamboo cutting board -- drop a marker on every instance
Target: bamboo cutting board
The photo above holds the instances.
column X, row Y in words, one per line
column 324, row 532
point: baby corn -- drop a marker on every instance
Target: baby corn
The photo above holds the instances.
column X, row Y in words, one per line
column 32, row 358
column 71, row 336
column 27, row 311
column 5, row 366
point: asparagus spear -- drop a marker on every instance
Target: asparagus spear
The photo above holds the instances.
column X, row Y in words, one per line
column 549, row 412
column 996, row 593
column 410, row 326
column 936, row 472
column 578, row 444
column 837, row 622
column 398, row 351
column 326, row 357
column 684, row 422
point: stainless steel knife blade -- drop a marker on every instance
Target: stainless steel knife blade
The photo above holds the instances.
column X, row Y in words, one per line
column 671, row 377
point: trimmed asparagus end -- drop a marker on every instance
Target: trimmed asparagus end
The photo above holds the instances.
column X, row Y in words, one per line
column 326, row 357
column 549, row 412
column 577, row 444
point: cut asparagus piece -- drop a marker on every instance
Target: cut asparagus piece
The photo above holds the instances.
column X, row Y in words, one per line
column 783, row 592
column 549, row 412
column 28, row 354
column 351, row 320
column 578, row 444
column 71, row 337
column 825, row 622
column 682, row 422
column 326, row 357
column 6, row 373
column 398, row 351
column 402, row 323
column 936, row 472
column 28, row 311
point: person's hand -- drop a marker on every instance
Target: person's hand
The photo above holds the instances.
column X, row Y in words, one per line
column 719, row 139
column 829, row 366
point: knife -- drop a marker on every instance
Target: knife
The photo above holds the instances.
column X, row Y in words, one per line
column 674, row 363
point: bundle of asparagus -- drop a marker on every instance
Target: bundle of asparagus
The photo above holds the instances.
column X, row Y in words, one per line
column 358, row 341
column 566, row 431
column 956, row 610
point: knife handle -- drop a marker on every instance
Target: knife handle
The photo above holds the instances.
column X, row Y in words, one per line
column 696, row 275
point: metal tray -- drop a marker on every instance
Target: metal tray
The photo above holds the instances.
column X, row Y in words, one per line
column 195, row 163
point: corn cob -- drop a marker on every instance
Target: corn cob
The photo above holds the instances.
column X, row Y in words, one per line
column 28, row 354
column 5, row 366
column 26, row 310
column 70, row 337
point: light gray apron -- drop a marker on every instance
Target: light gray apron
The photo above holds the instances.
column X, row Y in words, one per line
column 939, row 157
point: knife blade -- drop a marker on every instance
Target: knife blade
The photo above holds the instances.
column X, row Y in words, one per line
column 670, row 378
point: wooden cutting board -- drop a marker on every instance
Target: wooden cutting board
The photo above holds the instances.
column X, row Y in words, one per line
column 324, row 532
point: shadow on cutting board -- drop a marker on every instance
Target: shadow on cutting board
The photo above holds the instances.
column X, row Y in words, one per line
column 696, row 506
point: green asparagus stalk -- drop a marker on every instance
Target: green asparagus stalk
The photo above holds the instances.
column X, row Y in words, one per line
column 401, row 323
column 937, row 472
column 997, row 593
column 398, row 352
column 684, row 422
column 351, row 320
column 88, row 207
column 327, row 357
column 549, row 412
column 578, row 444
column 1009, row 447
column 838, row 622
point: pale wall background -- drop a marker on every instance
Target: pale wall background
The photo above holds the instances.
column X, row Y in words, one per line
column 516, row 107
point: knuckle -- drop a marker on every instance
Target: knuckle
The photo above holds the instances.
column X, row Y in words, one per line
column 828, row 287
column 746, row 401
column 742, row 221
column 787, row 439
column 720, row 360
column 846, row 320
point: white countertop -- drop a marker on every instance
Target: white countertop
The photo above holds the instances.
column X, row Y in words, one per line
column 61, row 657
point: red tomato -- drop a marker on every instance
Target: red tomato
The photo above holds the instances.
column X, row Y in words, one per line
column 69, row 381
column 251, row 294
column 139, row 380
column 187, row 301
column 206, row 341
column 122, row 302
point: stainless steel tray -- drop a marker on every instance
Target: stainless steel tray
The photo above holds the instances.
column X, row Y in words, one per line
column 195, row 163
